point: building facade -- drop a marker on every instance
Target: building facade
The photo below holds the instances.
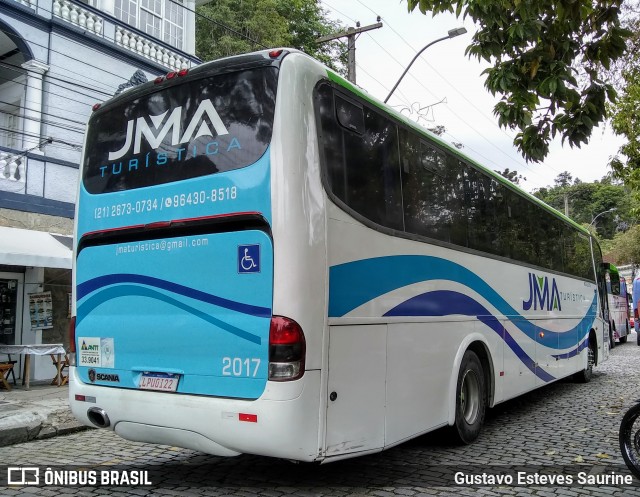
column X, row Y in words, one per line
column 57, row 59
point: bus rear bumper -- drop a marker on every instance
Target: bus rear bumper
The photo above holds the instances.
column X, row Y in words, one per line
column 175, row 437
column 285, row 428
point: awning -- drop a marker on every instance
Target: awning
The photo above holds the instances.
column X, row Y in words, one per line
column 20, row 247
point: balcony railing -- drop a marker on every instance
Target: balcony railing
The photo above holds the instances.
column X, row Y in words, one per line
column 149, row 49
column 75, row 14
column 28, row 3
column 12, row 167
column 88, row 20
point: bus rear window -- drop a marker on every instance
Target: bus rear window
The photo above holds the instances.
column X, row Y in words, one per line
column 200, row 127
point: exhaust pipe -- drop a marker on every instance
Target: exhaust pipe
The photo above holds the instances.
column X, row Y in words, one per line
column 98, row 417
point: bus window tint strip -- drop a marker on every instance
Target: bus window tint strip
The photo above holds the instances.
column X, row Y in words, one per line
column 396, row 178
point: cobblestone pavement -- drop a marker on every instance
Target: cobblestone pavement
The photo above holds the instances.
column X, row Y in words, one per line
column 562, row 425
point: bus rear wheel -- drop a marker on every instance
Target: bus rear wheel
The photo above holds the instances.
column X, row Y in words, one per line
column 470, row 398
column 586, row 374
column 612, row 340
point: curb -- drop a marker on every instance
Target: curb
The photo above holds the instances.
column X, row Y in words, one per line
column 26, row 423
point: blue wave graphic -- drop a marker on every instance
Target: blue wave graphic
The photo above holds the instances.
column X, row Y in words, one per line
column 355, row 283
column 447, row 303
column 94, row 284
column 107, row 294
column 583, row 345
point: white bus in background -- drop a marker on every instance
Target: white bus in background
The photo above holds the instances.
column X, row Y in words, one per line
column 635, row 297
column 270, row 261
column 619, row 311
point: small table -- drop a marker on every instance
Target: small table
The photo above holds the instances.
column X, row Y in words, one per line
column 36, row 349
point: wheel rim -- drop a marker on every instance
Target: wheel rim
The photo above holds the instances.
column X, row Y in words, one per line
column 630, row 443
column 591, row 358
column 470, row 396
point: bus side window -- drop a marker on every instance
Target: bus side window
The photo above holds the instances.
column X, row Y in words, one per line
column 423, row 188
column 480, row 203
column 360, row 152
column 350, row 115
column 615, row 287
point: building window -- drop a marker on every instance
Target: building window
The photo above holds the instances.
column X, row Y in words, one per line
column 162, row 19
column 173, row 24
column 126, row 11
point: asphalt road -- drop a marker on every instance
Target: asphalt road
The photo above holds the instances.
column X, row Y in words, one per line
column 566, row 429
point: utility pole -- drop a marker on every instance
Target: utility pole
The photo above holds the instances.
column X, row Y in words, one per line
column 351, row 33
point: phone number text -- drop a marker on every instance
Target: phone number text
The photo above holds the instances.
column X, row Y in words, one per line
column 158, row 204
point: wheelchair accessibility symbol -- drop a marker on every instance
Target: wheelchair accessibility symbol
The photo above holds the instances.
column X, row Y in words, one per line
column 249, row 258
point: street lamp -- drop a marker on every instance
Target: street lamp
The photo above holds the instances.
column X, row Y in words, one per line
column 603, row 212
column 452, row 33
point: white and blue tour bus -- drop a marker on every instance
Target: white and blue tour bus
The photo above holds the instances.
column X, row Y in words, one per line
column 271, row 261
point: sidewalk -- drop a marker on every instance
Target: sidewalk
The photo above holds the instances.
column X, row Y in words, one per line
column 41, row 412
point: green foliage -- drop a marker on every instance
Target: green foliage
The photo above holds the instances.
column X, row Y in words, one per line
column 512, row 176
column 538, row 50
column 587, row 200
column 625, row 122
column 231, row 27
column 625, row 247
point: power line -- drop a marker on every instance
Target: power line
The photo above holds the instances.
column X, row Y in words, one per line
column 228, row 28
column 49, row 106
column 84, row 63
column 18, row 107
column 78, row 83
column 404, row 97
column 48, row 91
column 493, row 123
column 30, row 139
column 68, row 81
column 48, row 123
column 75, row 146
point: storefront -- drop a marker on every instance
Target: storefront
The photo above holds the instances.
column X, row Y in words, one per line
column 35, row 288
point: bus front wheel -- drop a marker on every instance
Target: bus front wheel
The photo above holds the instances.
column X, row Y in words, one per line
column 470, row 398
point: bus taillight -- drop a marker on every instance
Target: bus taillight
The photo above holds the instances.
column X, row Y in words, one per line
column 287, row 348
column 72, row 335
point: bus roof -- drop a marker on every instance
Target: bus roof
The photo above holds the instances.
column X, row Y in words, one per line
column 263, row 57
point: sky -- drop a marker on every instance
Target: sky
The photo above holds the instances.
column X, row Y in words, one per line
column 445, row 76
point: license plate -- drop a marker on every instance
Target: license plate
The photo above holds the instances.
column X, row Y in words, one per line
column 163, row 382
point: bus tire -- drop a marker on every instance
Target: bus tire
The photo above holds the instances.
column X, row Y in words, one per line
column 629, row 438
column 470, row 398
column 586, row 374
column 612, row 340
column 624, row 338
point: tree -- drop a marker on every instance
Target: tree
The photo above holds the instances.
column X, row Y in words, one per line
column 625, row 122
column 625, row 247
column 587, row 200
column 512, row 176
column 231, row 27
column 563, row 179
column 548, row 58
